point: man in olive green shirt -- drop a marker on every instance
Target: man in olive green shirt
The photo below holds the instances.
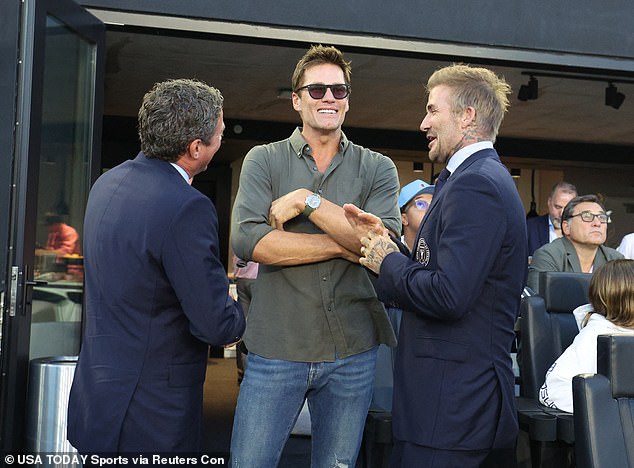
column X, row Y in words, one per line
column 314, row 321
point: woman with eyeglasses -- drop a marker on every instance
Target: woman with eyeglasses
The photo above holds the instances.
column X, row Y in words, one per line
column 584, row 225
column 611, row 310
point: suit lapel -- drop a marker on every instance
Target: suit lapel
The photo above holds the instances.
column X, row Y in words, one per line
column 571, row 256
column 485, row 153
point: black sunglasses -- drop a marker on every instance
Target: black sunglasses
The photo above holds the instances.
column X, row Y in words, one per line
column 318, row 91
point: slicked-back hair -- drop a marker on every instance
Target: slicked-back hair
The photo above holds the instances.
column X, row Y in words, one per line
column 319, row 55
column 475, row 87
column 611, row 292
column 566, row 214
column 176, row 112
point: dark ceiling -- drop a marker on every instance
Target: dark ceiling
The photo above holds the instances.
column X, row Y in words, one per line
column 569, row 120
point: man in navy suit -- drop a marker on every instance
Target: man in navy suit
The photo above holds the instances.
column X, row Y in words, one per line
column 460, row 290
column 156, row 291
column 546, row 228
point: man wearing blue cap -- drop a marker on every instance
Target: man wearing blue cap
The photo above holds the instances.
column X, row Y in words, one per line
column 413, row 201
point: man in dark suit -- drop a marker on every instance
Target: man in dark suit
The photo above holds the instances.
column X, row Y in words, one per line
column 546, row 228
column 460, row 290
column 156, row 292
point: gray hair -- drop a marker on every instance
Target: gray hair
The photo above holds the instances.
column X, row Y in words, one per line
column 176, row 112
column 565, row 187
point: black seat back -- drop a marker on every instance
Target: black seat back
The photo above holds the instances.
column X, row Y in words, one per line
column 604, row 403
column 547, row 325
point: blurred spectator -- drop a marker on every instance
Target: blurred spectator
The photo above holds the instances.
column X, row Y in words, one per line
column 62, row 238
column 546, row 228
column 244, row 274
column 627, row 246
column 611, row 310
column 414, row 201
column 581, row 250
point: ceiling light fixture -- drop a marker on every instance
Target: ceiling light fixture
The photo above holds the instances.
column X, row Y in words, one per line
column 612, row 96
column 284, row 93
column 530, row 91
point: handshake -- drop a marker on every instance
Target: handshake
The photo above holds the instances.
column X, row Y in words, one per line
column 374, row 237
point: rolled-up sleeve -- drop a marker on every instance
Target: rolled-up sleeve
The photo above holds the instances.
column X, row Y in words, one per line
column 249, row 220
column 383, row 198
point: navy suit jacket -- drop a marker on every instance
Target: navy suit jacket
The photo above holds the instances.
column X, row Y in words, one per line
column 460, row 291
column 156, row 295
column 538, row 232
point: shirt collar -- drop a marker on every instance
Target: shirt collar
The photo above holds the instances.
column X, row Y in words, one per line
column 181, row 171
column 552, row 235
column 299, row 144
column 462, row 154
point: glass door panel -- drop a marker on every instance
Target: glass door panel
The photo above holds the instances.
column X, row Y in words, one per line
column 57, row 135
column 65, row 157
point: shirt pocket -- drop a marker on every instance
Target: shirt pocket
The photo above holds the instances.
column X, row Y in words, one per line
column 351, row 191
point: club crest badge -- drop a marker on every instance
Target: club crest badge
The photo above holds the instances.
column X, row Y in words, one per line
column 422, row 252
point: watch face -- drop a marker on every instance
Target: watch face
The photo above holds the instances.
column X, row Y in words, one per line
column 313, row 200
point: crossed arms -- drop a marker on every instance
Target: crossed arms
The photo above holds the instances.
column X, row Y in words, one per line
column 261, row 223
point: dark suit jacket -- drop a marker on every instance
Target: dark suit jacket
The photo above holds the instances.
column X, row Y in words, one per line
column 537, row 230
column 156, row 295
column 454, row 383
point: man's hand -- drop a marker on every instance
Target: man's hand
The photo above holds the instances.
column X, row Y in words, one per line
column 363, row 222
column 349, row 255
column 287, row 207
column 375, row 248
column 373, row 235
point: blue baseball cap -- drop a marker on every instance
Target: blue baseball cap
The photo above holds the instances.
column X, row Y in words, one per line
column 412, row 190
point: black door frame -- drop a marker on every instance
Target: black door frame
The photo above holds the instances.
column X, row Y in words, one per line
column 29, row 32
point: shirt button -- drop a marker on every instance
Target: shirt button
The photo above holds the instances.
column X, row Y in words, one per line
column 323, row 278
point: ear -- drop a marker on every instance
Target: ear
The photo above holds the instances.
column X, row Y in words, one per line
column 297, row 101
column 404, row 220
column 565, row 227
column 193, row 148
column 468, row 116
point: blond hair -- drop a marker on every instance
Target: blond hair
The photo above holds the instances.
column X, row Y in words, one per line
column 475, row 87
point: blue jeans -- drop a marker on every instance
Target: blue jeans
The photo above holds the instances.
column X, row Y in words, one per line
column 272, row 395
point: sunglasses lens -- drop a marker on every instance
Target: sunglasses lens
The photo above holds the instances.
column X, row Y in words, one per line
column 339, row 91
column 317, row 91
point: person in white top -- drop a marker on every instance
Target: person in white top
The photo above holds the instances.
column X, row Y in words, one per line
column 627, row 246
column 611, row 311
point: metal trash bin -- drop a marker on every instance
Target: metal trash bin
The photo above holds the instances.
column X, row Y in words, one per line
column 50, row 379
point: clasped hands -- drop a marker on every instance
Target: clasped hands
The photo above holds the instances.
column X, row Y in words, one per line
column 366, row 227
column 375, row 240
